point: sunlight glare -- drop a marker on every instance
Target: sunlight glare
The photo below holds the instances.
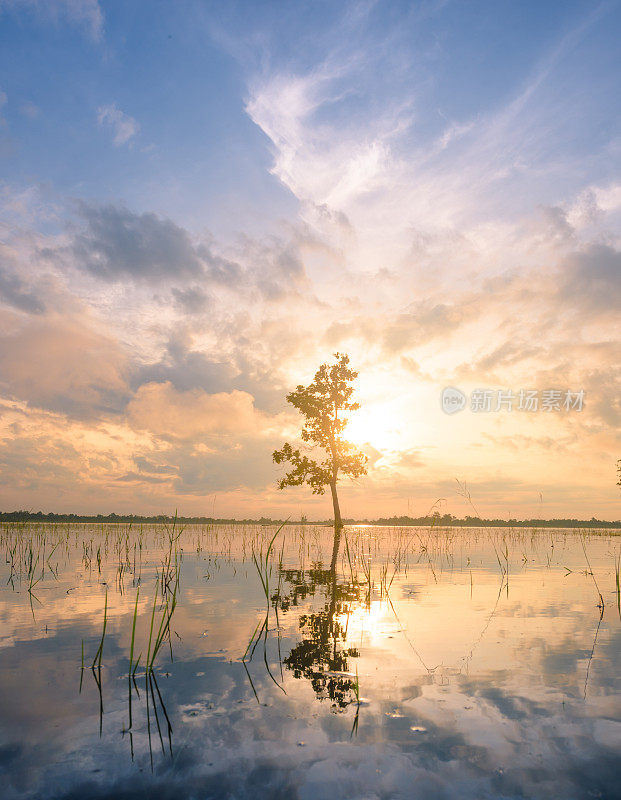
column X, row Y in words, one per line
column 373, row 426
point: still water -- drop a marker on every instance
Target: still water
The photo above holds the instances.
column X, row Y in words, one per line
column 400, row 663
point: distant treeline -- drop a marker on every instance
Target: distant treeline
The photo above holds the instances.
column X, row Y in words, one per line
column 434, row 520
column 477, row 522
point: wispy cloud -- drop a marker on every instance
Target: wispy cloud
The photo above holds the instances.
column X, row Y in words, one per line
column 29, row 109
column 123, row 127
column 15, row 291
column 318, row 161
column 86, row 14
column 377, row 157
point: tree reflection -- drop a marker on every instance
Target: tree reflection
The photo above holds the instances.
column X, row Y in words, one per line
column 321, row 656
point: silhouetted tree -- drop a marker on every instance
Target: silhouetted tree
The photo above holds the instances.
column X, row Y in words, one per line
column 322, row 404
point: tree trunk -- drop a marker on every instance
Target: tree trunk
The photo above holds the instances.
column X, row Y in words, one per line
column 338, row 524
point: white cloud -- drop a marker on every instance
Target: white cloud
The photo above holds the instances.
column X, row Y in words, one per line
column 123, row 126
column 318, row 162
column 373, row 151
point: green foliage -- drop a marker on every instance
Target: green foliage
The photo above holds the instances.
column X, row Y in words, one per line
column 324, row 404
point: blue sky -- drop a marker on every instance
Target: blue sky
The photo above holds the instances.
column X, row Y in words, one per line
column 201, row 201
column 183, row 72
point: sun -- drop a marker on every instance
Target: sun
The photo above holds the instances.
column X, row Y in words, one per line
column 373, row 426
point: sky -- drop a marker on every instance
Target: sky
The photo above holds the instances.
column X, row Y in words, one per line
column 202, row 202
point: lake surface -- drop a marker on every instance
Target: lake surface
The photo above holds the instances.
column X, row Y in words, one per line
column 411, row 663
